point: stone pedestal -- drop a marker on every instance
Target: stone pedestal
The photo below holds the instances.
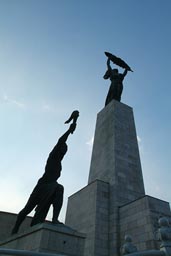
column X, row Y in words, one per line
column 48, row 238
column 88, row 212
column 140, row 220
column 115, row 159
column 115, row 180
column 115, row 156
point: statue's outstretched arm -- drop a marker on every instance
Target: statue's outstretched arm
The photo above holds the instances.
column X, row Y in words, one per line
column 62, row 140
column 108, row 72
column 64, row 137
column 61, row 144
column 108, row 64
column 125, row 73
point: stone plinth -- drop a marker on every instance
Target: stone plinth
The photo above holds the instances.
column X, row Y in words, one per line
column 140, row 220
column 7, row 221
column 88, row 212
column 115, row 157
column 48, row 238
column 115, row 184
column 116, row 160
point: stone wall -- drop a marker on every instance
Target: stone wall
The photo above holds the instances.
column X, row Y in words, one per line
column 88, row 212
column 7, row 221
column 140, row 220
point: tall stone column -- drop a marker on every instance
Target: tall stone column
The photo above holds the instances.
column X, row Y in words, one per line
column 116, row 160
column 115, row 157
column 115, row 167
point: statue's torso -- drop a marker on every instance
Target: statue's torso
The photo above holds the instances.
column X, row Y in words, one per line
column 52, row 172
column 116, row 78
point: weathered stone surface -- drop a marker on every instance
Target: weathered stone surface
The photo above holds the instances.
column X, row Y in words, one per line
column 115, row 157
column 7, row 221
column 48, row 238
column 123, row 209
column 115, row 160
column 140, row 220
column 88, row 212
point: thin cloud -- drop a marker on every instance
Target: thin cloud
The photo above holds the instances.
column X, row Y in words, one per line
column 90, row 143
column 46, row 107
column 140, row 145
column 138, row 139
column 15, row 102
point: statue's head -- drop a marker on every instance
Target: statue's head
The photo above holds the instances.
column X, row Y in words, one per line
column 75, row 113
column 163, row 222
column 128, row 238
column 115, row 71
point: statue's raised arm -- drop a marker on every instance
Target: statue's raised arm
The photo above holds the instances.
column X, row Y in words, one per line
column 118, row 61
column 109, row 70
column 60, row 148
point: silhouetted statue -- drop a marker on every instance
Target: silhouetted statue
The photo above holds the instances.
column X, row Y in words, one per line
column 116, row 87
column 47, row 190
column 164, row 233
column 128, row 247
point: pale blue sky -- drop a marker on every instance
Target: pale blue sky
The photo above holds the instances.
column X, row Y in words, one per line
column 52, row 61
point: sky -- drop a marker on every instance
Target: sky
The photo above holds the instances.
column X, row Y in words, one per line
column 52, row 62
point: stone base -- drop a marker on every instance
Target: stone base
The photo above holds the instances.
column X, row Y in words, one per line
column 48, row 238
column 88, row 212
column 140, row 220
column 7, row 221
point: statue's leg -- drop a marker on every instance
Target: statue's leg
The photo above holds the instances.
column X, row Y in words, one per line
column 23, row 213
column 40, row 215
column 119, row 92
column 109, row 97
column 57, row 203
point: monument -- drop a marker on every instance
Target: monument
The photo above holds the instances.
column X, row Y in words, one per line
column 47, row 190
column 114, row 204
column 102, row 217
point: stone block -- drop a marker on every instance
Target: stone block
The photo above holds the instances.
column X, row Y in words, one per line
column 92, row 217
column 48, row 238
column 140, row 220
column 7, row 221
column 115, row 149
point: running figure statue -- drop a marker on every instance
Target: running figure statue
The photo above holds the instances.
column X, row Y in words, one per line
column 48, row 191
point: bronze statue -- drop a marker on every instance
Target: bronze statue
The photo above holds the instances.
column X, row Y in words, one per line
column 48, row 191
column 128, row 247
column 116, row 87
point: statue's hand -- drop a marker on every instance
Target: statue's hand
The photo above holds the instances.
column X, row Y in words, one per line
column 72, row 127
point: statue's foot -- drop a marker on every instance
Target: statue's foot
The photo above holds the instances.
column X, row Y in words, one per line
column 14, row 231
column 57, row 222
